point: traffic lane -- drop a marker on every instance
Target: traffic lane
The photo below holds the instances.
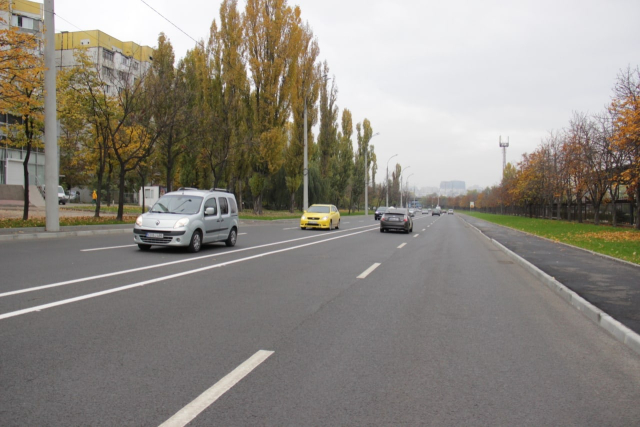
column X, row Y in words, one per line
column 431, row 338
column 141, row 349
column 610, row 285
column 38, row 294
column 66, row 258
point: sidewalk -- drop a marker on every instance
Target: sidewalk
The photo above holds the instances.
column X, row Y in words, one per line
column 612, row 286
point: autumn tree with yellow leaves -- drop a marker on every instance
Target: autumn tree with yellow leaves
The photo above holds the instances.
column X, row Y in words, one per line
column 22, row 93
column 625, row 109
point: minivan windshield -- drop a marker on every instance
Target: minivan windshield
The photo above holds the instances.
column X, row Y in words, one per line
column 178, row 204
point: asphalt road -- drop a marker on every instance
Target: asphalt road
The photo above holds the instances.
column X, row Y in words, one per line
column 292, row 327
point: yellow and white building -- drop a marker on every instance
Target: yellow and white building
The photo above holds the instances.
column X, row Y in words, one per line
column 119, row 63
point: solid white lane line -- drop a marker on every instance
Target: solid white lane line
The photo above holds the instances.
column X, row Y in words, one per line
column 148, row 267
column 368, row 270
column 202, row 402
column 106, row 248
column 165, row 278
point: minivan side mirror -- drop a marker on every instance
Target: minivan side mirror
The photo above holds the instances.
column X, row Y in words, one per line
column 210, row 211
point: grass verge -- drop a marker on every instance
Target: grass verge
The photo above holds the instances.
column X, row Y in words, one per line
column 622, row 243
column 65, row 221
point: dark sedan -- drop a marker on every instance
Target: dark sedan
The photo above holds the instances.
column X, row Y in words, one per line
column 378, row 213
column 396, row 219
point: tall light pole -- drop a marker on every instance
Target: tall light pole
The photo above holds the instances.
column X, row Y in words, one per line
column 305, row 167
column 407, row 186
column 366, row 176
column 388, row 178
column 401, row 172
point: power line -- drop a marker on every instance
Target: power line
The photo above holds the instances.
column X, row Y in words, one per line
column 163, row 17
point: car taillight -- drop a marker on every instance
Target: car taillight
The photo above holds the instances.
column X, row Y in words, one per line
column 405, row 219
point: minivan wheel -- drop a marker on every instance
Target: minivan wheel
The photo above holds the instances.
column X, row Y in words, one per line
column 144, row 247
column 196, row 241
column 233, row 236
column 330, row 225
column 382, row 230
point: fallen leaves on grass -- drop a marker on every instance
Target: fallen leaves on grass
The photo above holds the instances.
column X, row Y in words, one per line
column 610, row 236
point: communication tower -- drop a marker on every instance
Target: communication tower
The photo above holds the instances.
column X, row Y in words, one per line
column 504, row 146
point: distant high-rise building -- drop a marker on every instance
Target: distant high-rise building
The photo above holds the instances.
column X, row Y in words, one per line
column 453, row 188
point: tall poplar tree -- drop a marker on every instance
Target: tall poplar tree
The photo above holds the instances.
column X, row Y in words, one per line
column 272, row 32
column 306, row 91
column 169, row 98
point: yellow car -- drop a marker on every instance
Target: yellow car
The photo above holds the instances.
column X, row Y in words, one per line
column 320, row 216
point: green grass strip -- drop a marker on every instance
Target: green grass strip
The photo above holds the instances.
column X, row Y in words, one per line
column 621, row 243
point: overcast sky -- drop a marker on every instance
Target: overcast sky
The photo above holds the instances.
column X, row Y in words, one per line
column 440, row 80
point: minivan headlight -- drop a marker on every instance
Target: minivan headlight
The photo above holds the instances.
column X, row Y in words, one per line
column 303, row 217
column 139, row 221
column 324, row 218
column 181, row 223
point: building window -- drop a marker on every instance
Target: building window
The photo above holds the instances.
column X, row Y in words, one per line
column 126, row 61
column 135, row 65
column 107, row 55
column 24, row 22
column 123, row 76
column 107, row 73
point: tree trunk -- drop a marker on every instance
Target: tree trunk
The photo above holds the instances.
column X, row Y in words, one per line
column 121, row 194
column 637, row 202
column 25, row 173
column 579, row 202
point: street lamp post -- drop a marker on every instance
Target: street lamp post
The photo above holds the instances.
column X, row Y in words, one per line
column 388, row 178
column 305, row 168
column 401, row 183
column 366, row 177
column 407, row 186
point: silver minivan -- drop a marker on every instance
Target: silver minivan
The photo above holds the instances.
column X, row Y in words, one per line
column 189, row 217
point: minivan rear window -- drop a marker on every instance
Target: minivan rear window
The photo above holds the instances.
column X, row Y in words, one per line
column 233, row 205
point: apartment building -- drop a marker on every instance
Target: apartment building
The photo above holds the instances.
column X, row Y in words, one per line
column 28, row 17
column 119, row 63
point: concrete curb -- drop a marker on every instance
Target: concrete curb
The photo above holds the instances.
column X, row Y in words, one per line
column 51, row 235
column 619, row 331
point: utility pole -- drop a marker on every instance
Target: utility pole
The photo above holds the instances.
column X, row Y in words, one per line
column 51, row 158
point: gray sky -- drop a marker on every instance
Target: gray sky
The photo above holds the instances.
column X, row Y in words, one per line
column 440, row 80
